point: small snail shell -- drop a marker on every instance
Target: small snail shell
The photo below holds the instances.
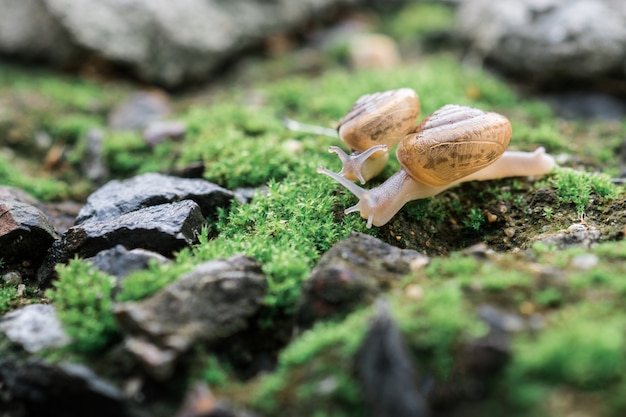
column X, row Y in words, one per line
column 375, row 123
column 452, row 143
column 379, row 119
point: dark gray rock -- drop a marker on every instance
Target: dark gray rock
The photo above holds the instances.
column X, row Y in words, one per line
column 548, row 39
column 161, row 41
column 120, row 262
column 34, row 327
column 385, row 369
column 45, row 389
column 165, row 228
column 212, row 302
column 353, row 272
column 121, row 197
column 26, row 233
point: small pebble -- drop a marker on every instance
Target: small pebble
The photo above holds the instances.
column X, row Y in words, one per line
column 509, row 231
column 491, row 218
column 12, row 278
column 414, row 291
column 374, row 51
column 585, row 261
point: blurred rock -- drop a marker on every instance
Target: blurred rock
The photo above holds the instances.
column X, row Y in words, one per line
column 160, row 41
column 164, row 228
column 386, row 371
column 578, row 234
column 120, row 197
column 548, row 39
column 92, row 163
column 34, row 327
column 353, row 272
column 46, row 389
column 208, row 304
column 200, row 402
column 27, row 29
column 139, row 110
column 369, row 50
column 160, row 131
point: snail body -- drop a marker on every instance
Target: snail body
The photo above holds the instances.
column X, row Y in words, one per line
column 375, row 123
column 453, row 145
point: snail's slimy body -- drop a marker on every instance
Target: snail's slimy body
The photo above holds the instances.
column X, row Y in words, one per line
column 455, row 144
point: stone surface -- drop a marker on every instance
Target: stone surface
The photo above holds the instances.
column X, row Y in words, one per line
column 139, row 110
column 45, row 389
column 27, row 29
column 119, row 261
column 352, row 273
column 210, row 303
column 164, row 228
column 548, row 39
column 385, row 369
column 160, row 41
column 26, row 233
column 121, row 197
column 34, row 327
column 578, row 234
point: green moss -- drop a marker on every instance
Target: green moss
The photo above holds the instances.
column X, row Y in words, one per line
column 456, row 266
column 315, row 373
column 287, row 229
column 575, row 187
column 126, row 153
column 576, row 350
column 82, row 297
column 475, row 219
column 418, row 19
column 8, row 296
column 436, row 325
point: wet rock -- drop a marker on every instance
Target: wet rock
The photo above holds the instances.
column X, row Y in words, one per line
column 578, row 234
column 353, row 272
column 34, row 327
column 210, row 303
column 121, row 197
column 127, row 32
column 386, row 371
column 46, row 389
column 26, row 233
column 165, row 228
column 548, row 39
column 139, row 111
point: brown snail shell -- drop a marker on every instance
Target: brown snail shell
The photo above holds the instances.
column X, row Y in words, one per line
column 453, row 142
column 379, row 119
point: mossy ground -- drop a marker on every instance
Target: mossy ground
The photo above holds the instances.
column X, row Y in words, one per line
column 576, row 361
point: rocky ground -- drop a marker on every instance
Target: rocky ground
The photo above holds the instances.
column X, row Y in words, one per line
column 175, row 253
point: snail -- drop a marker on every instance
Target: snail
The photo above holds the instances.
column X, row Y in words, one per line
column 454, row 144
column 375, row 123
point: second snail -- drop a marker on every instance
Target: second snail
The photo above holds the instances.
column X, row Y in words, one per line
column 454, row 144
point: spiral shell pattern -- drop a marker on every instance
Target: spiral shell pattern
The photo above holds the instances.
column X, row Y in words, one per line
column 453, row 142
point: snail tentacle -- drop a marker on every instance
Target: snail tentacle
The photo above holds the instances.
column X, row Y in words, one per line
column 355, row 166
